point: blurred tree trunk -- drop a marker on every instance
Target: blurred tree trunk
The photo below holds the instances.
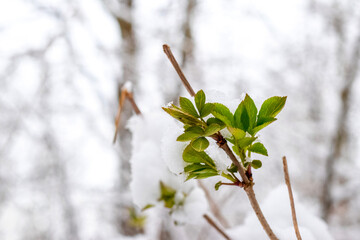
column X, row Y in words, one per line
column 122, row 11
column 188, row 44
column 57, row 168
column 348, row 72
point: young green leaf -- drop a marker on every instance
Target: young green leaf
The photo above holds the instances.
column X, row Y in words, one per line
column 221, row 112
column 167, row 195
column 206, row 175
column 200, row 144
column 256, row 164
column 231, row 140
column 251, row 111
column 271, row 107
column 258, row 148
column 206, row 110
column 200, row 100
column 188, row 107
column 182, row 116
column 236, row 132
column 232, row 168
column 215, row 121
column 196, row 130
column 262, row 123
column 217, row 185
column 187, row 136
column 246, row 141
column 194, row 167
column 237, row 116
column 147, row 207
column 213, row 128
column 203, row 172
column 236, row 150
column 192, row 156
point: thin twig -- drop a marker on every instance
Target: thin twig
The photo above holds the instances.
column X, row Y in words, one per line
column 292, row 204
column 124, row 94
column 213, row 206
column 223, row 145
column 133, row 103
column 178, row 69
column 214, row 225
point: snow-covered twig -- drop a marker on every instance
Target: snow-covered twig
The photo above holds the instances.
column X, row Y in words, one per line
column 292, row 204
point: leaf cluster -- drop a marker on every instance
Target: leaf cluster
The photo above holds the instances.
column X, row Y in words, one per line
column 243, row 125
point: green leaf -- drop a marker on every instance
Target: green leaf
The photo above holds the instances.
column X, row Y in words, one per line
column 192, row 156
column 196, row 130
column 206, row 175
column 262, row 123
column 245, row 114
column 256, row 164
column 232, row 168
column 236, row 132
column 215, row 121
column 147, row 207
column 271, row 107
column 167, row 195
column 258, row 148
column 246, row 141
column 221, row 112
column 238, row 115
column 231, row 140
column 217, row 185
column 251, row 110
column 190, row 176
column 200, row 144
column 236, row 150
column 203, row 173
column 194, row 167
column 200, row 100
column 207, row 109
column 182, row 116
column 213, row 128
column 187, row 136
column 188, row 106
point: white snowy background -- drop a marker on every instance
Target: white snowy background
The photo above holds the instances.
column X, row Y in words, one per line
column 60, row 71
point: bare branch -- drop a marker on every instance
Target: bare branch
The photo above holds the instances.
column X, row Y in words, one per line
column 173, row 61
column 213, row 206
column 214, row 225
column 292, row 204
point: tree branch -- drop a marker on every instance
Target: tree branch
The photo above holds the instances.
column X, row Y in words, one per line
column 213, row 206
column 178, row 69
column 220, row 140
column 214, row 225
column 292, row 204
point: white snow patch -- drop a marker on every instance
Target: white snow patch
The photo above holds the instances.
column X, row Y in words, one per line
column 277, row 211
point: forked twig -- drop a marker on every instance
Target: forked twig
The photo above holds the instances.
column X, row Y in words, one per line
column 124, row 94
column 292, row 204
column 214, row 225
